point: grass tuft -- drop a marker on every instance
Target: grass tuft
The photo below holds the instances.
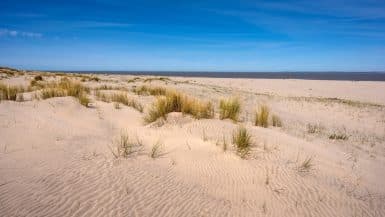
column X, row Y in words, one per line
column 175, row 101
column 125, row 146
column 156, row 149
column 8, row 92
column 148, row 90
column 66, row 87
column 229, row 108
column 262, row 116
column 338, row 136
column 119, row 98
column 306, row 165
column 242, row 141
column 314, row 128
column 276, row 121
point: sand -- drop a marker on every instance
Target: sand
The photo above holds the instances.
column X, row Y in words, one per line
column 55, row 157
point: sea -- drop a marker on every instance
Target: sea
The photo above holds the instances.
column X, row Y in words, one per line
column 344, row 76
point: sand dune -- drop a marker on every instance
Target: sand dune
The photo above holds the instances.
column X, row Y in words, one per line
column 55, row 157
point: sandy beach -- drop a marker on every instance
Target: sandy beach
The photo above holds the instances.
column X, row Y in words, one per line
column 61, row 152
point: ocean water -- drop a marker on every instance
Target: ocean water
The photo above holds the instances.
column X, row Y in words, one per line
column 347, row 76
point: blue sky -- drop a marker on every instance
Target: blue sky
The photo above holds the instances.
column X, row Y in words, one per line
column 324, row 35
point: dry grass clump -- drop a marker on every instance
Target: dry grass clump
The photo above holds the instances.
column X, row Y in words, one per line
column 338, row 136
column 164, row 79
column 52, row 92
column 124, row 146
column 148, row 90
column 229, row 108
column 156, row 149
column 276, row 121
column 306, row 165
column 66, row 87
column 119, row 98
column 242, row 141
column 122, row 98
column 175, row 101
column 262, row 116
column 314, row 128
column 8, row 92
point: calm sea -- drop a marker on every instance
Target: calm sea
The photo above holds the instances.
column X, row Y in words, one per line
column 348, row 76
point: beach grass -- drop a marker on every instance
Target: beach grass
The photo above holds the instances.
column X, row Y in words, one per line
column 229, row 109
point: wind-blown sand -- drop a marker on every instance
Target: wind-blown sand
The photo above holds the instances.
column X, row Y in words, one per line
column 55, row 157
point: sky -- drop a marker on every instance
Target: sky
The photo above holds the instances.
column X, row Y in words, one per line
column 199, row 35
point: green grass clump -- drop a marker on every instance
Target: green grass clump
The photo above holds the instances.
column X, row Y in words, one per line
column 262, row 116
column 175, row 101
column 230, row 109
column 242, row 141
column 8, row 92
column 276, row 121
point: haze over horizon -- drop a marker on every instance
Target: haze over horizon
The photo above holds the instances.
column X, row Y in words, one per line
column 193, row 35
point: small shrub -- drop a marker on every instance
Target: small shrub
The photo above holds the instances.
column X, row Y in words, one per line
column 262, row 116
column 242, row 141
column 94, row 78
column 276, row 121
column 229, row 108
column 38, row 78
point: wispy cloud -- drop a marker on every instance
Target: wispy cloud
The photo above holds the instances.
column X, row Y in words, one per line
column 15, row 33
column 99, row 24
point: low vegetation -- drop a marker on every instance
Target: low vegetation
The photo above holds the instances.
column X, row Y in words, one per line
column 124, row 146
column 276, row 121
column 314, row 128
column 121, row 98
column 66, row 87
column 306, row 165
column 338, row 136
column 242, row 141
column 229, row 108
column 8, row 92
column 174, row 101
column 262, row 116
column 156, row 149
column 148, row 90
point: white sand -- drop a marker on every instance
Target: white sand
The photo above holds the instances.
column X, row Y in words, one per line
column 55, row 158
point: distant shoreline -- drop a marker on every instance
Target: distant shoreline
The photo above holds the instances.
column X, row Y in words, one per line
column 342, row 76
